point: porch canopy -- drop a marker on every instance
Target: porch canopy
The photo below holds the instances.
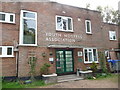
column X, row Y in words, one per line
column 64, row 46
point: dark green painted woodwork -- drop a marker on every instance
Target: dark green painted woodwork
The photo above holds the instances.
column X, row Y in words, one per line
column 64, row 61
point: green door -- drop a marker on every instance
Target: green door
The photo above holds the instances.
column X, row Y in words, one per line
column 64, row 61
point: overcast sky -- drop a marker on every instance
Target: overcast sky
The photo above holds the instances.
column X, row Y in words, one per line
column 93, row 3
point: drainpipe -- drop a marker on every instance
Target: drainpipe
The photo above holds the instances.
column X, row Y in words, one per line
column 17, row 56
column 16, row 50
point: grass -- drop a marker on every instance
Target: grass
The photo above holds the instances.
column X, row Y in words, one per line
column 18, row 85
column 111, row 77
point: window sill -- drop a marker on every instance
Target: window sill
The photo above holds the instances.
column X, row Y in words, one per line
column 65, row 31
column 113, row 39
column 89, row 33
column 7, row 22
column 6, row 56
column 90, row 62
column 32, row 45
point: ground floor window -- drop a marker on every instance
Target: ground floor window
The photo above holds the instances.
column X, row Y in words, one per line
column 6, row 51
column 90, row 55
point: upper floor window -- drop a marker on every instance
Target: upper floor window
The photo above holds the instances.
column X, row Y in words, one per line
column 112, row 35
column 28, row 28
column 64, row 23
column 7, row 17
column 6, row 51
column 88, row 26
column 90, row 55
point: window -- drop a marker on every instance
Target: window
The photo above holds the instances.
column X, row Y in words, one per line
column 88, row 26
column 28, row 28
column 7, row 17
column 9, row 51
column 112, row 35
column 6, row 51
column 64, row 23
column 107, row 54
column 90, row 55
column 0, row 50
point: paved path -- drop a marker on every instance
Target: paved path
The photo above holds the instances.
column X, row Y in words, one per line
column 85, row 84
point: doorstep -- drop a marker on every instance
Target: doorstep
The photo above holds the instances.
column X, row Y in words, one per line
column 67, row 78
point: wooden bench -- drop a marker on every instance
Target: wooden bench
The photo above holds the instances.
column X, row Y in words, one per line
column 84, row 74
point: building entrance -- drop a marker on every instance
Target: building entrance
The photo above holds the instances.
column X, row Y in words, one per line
column 64, row 61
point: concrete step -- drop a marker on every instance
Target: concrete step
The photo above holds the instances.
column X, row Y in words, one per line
column 66, row 78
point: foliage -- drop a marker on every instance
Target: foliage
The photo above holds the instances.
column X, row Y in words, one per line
column 45, row 69
column 93, row 67
column 32, row 63
column 19, row 85
column 109, row 14
column 101, row 76
column 88, row 5
column 103, row 62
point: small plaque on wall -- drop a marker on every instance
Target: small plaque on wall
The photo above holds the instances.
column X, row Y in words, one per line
column 51, row 59
column 80, row 59
column 79, row 53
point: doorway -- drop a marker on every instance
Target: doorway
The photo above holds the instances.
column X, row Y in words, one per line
column 64, row 61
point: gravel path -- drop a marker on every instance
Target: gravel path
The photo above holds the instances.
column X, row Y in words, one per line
column 85, row 84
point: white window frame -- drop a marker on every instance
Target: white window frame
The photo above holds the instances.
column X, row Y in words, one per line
column 62, row 24
column 110, row 32
column 92, row 55
column 89, row 27
column 4, row 51
column 107, row 54
column 21, row 28
column 7, row 17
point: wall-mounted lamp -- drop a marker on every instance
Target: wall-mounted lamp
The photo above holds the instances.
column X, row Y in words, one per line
column 50, row 53
column 44, row 54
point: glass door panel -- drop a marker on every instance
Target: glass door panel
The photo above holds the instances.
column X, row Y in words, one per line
column 64, row 61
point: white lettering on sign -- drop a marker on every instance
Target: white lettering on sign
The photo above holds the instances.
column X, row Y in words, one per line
column 56, row 37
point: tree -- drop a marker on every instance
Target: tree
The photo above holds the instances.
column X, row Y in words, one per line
column 87, row 5
column 109, row 14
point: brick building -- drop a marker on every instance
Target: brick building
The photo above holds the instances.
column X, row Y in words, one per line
column 64, row 36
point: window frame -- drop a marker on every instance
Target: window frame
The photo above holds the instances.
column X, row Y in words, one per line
column 112, row 37
column 62, row 24
column 89, row 26
column 5, row 53
column 7, row 17
column 92, row 55
column 22, row 30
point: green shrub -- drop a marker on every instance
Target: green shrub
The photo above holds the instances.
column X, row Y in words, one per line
column 44, row 69
column 94, row 67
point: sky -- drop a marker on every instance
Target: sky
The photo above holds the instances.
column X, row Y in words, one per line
column 93, row 3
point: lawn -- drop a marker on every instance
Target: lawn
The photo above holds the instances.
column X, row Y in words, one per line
column 19, row 85
column 38, row 83
column 111, row 77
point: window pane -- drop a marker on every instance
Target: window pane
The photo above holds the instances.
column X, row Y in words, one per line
column 69, row 24
column 65, row 24
column 29, row 31
column 59, row 23
column 86, row 55
column 90, row 56
column 11, row 18
column 95, row 54
column 29, row 15
column 2, row 17
column 9, row 51
column 88, row 26
column 114, row 35
column 0, row 50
